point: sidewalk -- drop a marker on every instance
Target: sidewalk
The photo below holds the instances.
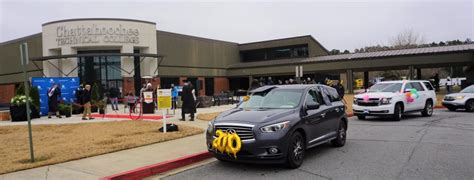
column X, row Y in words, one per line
column 104, row 165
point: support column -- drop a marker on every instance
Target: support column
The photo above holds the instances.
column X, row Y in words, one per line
column 366, row 79
column 418, row 73
column 350, row 81
column 411, row 72
column 250, row 81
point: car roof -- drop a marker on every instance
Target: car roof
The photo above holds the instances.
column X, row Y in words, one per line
column 288, row 86
column 402, row 81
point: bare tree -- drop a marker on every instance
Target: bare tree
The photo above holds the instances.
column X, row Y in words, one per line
column 407, row 39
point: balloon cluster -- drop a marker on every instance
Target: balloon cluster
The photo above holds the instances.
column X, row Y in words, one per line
column 412, row 95
column 365, row 98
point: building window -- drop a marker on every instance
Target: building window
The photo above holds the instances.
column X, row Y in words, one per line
column 284, row 52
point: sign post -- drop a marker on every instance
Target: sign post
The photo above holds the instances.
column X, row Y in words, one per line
column 24, row 62
column 164, row 103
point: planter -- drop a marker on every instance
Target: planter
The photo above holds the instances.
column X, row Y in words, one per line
column 18, row 113
column 77, row 110
column 66, row 113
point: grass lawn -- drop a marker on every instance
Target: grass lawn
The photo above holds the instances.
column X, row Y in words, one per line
column 60, row 143
column 349, row 98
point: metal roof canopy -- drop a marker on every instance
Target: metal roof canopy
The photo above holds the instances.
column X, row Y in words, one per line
column 158, row 57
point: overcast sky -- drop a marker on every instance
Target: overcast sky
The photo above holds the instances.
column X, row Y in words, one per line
column 335, row 24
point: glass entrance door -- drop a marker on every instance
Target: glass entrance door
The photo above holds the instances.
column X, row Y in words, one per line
column 101, row 70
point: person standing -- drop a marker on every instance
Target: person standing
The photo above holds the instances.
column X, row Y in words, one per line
column 79, row 94
column 131, row 99
column 340, row 90
column 188, row 101
column 255, row 84
column 449, row 84
column 86, row 99
column 53, row 93
column 174, row 96
column 113, row 95
column 436, row 81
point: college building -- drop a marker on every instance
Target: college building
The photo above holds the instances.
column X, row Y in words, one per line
column 125, row 53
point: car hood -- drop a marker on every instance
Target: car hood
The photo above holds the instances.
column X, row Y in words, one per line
column 460, row 94
column 378, row 94
column 253, row 116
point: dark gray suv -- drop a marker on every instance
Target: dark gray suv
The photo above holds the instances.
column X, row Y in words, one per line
column 278, row 123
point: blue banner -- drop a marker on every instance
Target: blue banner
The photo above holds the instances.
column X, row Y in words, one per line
column 68, row 90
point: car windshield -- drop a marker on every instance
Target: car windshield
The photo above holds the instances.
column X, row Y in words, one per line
column 273, row 99
column 469, row 89
column 386, row 87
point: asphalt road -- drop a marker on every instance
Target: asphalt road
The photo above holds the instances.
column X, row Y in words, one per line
column 437, row 147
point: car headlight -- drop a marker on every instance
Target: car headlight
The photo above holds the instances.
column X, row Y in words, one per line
column 459, row 97
column 210, row 127
column 355, row 101
column 385, row 100
column 275, row 127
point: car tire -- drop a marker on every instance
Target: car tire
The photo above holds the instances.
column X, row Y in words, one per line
column 428, row 110
column 296, row 151
column 361, row 117
column 340, row 135
column 397, row 112
column 452, row 108
column 470, row 106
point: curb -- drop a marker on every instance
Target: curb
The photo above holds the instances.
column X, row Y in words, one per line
column 161, row 167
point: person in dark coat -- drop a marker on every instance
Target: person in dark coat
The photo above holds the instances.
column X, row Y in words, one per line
column 340, row 89
column 114, row 94
column 189, row 101
column 53, row 93
column 86, row 100
column 436, row 81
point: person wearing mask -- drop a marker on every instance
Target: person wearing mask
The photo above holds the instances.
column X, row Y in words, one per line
column 86, row 99
column 189, row 100
column 53, row 93
column 174, row 96
column 280, row 82
column 113, row 95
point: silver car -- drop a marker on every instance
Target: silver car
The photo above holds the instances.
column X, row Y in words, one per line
column 461, row 100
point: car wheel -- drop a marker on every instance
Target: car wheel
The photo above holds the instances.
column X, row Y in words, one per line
column 397, row 113
column 452, row 108
column 360, row 117
column 470, row 106
column 428, row 110
column 296, row 151
column 341, row 135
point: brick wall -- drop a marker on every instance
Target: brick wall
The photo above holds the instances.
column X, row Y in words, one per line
column 7, row 92
column 221, row 84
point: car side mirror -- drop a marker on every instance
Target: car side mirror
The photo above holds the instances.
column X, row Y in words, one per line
column 407, row 90
column 312, row 105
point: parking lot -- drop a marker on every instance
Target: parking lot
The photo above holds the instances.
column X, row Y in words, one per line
column 437, row 147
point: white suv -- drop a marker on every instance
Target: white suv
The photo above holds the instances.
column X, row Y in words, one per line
column 461, row 100
column 394, row 98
